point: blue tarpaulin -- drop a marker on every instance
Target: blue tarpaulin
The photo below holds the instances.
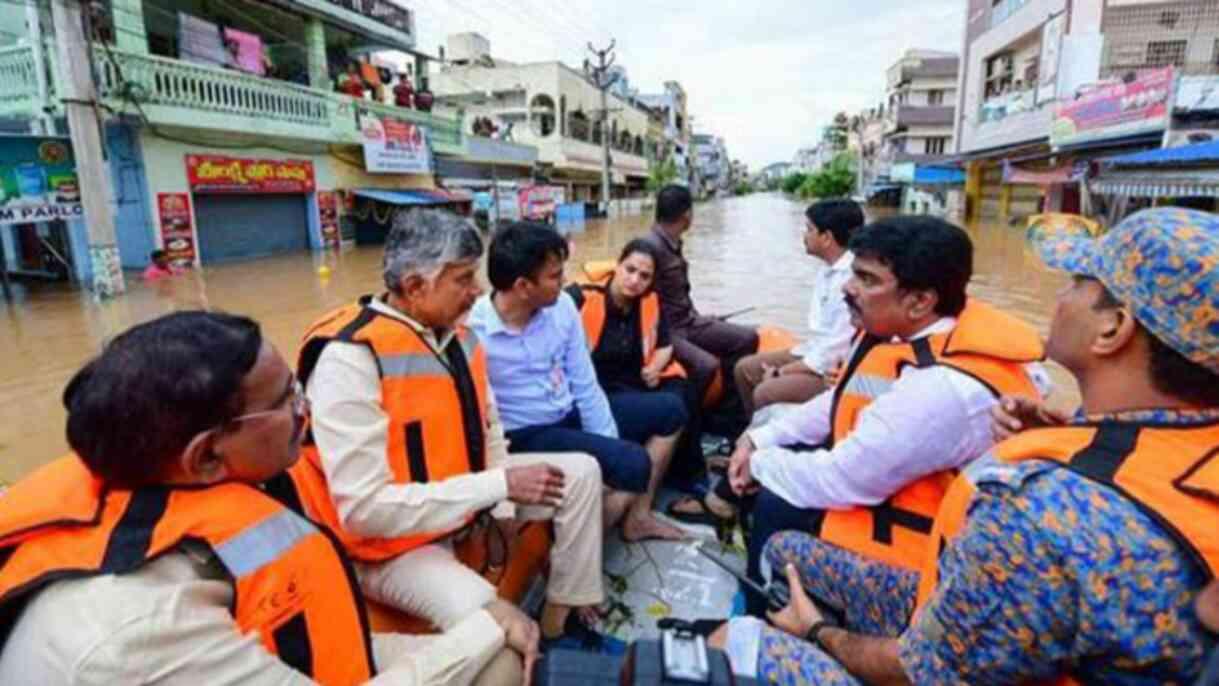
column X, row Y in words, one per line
column 1187, row 154
column 403, row 197
column 925, row 175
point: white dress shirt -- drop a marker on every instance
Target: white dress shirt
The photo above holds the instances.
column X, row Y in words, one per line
column 351, row 430
column 829, row 320
column 169, row 623
column 932, row 419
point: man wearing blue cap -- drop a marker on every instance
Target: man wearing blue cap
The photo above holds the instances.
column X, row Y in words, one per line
column 1072, row 553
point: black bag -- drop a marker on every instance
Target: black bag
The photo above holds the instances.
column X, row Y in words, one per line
column 643, row 665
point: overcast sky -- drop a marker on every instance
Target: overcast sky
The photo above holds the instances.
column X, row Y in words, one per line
column 764, row 74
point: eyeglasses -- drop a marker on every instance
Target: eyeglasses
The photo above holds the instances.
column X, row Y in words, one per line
column 295, row 395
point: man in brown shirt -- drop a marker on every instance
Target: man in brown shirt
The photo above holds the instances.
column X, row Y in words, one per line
column 701, row 342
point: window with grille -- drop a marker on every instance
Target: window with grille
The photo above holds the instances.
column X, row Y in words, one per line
column 935, row 146
column 935, row 97
column 1166, row 53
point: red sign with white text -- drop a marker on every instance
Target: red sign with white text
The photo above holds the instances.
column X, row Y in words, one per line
column 217, row 174
column 177, row 229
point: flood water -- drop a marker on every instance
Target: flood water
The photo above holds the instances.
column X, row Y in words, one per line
column 744, row 252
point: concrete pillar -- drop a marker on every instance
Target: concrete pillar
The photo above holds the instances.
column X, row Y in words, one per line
column 421, row 67
column 130, row 34
column 315, row 45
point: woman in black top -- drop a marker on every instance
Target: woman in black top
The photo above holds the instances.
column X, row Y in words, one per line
column 633, row 358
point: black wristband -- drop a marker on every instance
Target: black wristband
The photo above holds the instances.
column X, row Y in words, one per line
column 813, row 635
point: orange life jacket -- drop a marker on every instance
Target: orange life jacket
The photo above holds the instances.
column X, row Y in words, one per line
column 987, row 345
column 436, row 406
column 293, row 586
column 1170, row 473
column 593, row 312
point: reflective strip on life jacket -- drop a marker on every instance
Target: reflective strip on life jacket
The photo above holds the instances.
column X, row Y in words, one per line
column 986, row 345
column 293, row 588
column 436, row 404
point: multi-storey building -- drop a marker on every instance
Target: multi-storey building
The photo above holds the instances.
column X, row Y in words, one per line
column 672, row 108
column 226, row 135
column 1038, row 76
column 554, row 108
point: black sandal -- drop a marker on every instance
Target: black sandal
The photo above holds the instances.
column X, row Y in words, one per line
column 706, row 516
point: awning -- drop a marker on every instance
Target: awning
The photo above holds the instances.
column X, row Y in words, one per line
column 405, row 197
column 1152, row 184
column 1186, row 154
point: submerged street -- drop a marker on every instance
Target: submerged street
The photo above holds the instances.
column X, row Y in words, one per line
column 744, row 252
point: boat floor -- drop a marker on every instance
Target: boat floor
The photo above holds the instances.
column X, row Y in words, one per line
column 649, row 580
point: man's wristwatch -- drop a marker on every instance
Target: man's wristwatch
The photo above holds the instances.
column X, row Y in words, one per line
column 813, row 635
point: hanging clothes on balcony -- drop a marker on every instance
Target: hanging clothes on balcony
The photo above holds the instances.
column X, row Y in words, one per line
column 245, row 51
column 199, row 41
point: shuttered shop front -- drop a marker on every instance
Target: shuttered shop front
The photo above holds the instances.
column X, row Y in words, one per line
column 250, row 208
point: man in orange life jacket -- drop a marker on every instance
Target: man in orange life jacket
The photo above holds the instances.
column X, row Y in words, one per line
column 166, row 549
column 913, row 403
column 407, row 441
column 1070, row 553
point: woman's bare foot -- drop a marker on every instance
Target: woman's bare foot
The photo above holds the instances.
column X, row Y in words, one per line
column 645, row 527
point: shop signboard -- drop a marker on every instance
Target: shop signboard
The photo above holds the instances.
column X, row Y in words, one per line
column 1115, row 110
column 328, row 213
column 177, row 228
column 394, row 146
column 38, row 180
column 540, row 202
column 509, row 208
column 219, row 174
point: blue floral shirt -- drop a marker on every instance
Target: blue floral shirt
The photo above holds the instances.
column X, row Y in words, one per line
column 1052, row 569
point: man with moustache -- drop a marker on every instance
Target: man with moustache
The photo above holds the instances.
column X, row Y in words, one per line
column 912, row 405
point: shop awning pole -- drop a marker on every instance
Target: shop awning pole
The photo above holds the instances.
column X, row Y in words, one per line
column 4, row 284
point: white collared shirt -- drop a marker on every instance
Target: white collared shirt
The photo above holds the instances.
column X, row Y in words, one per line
column 829, row 320
column 932, row 419
column 351, row 430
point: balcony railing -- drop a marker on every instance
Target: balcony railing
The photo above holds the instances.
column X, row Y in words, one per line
column 150, row 79
column 18, row 80
column 175, row 92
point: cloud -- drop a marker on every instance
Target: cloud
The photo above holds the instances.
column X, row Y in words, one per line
column 766, row 75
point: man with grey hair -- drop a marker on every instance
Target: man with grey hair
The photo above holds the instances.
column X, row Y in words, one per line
column 406, row 448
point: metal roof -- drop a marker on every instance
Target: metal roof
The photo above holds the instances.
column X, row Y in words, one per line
column 1186, row 154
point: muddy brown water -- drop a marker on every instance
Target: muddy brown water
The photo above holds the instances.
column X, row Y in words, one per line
column 744, row 252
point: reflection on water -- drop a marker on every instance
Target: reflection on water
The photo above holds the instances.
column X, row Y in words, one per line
column 744, row 252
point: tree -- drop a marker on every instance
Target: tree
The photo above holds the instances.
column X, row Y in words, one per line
column 661, row 174
column 792, row 182
column 837, row 179
column 835, row 135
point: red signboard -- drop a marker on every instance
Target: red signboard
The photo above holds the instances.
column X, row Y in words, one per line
column 177, row 229
column 217, row 174
column 1116, row 110
column 328, row 211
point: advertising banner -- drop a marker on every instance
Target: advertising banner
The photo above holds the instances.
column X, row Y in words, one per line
column 1116, row 110
column 217, row 174
column 540, row 202
column 177, row 228
column 1051, row 52
column 328, row 211
column 37, row 180
column 394, row 146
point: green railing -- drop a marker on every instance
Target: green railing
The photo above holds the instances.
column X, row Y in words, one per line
column 18, row 81
column 184, row 94
column 155, row 80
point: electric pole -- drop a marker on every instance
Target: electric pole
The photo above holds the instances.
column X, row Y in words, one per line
column 93, row 175
column 603, row 79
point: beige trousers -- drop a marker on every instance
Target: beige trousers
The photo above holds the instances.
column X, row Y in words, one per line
column 430, row 581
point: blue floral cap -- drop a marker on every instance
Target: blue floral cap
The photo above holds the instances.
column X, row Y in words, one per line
column 1162, row 263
